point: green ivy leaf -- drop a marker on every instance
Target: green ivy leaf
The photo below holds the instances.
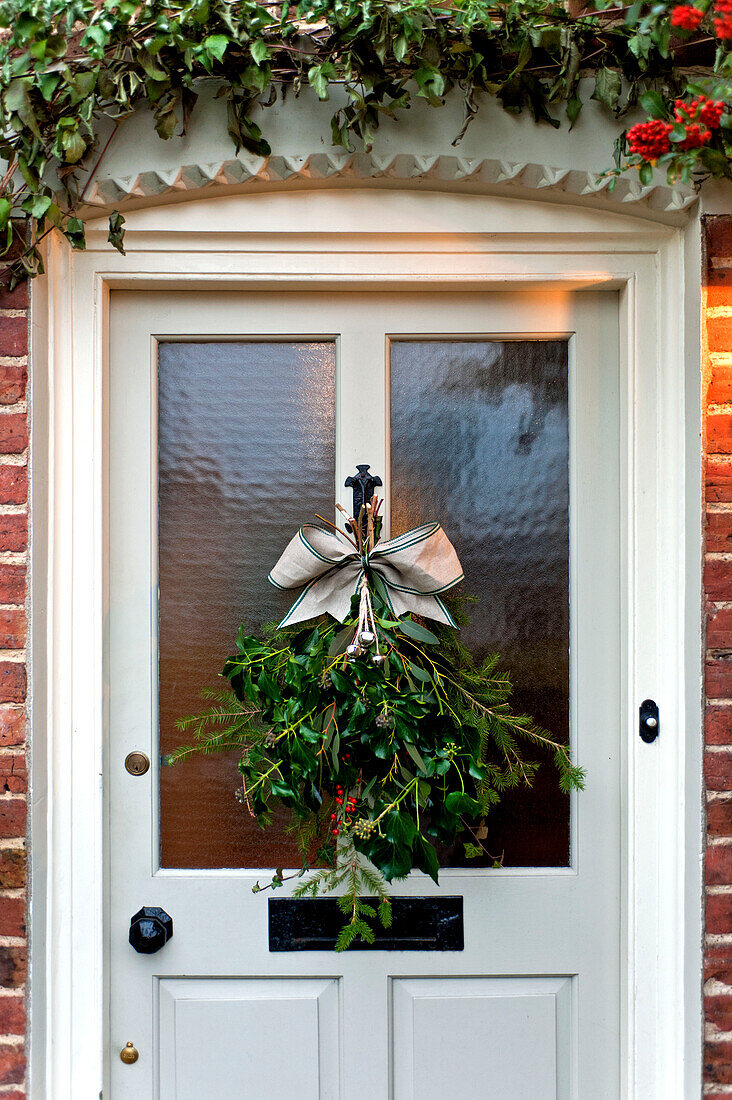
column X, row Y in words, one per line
column 607, row 88
column 74, row 233
column 37, row 205
column 458, row 803
column 319, row 76
column 259, row 51
column 16, row 100
column 216, row 45
column 116, row 231
column 653, row 105
column 431, row 83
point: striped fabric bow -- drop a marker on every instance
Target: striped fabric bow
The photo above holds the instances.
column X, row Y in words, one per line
column 416, row 569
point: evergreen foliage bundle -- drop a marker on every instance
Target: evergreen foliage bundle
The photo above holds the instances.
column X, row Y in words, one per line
column 378, row 763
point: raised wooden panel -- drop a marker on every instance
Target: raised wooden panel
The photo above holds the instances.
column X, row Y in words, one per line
column 227, row 1038
column 481, row 1038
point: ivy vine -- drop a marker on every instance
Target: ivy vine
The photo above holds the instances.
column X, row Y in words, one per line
column 68, row 65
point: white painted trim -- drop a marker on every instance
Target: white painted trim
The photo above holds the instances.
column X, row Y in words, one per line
column 662, row 574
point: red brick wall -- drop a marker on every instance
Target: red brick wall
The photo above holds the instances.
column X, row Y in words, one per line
column 13, row 559
column 717, row 341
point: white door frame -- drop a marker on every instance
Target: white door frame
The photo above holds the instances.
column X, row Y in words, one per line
column 445, row 240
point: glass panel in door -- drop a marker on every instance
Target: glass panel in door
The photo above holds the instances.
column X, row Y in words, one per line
column 246, row 439
column 480, row 441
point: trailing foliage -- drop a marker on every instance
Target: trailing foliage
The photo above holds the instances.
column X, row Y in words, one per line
column 68, row 65
column 378, row 763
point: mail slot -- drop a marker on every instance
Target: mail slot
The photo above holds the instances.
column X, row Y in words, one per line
column 418, row 924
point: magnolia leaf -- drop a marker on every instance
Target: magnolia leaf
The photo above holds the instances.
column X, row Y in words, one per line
column 6, row 209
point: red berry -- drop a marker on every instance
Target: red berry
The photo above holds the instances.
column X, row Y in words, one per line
column 333, row 817
column 335, row 832
column 695, row 137
column 650, row 140
column 711, row 113
column 686, row 17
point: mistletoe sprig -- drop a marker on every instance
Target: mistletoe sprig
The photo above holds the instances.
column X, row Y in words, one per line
column 379, row 761
column 72, row 70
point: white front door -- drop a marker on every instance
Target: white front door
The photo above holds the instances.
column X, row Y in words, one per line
column 234, row 417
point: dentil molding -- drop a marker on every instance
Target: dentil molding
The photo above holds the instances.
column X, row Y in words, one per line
column 522, row 179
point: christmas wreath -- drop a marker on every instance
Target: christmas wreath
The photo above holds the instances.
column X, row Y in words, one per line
column 381, row 736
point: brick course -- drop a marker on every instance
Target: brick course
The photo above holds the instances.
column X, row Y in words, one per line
column 13, row 688
column 717, row 343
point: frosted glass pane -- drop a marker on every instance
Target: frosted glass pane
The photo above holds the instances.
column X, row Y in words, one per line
column 246, row 454
column 480, row 442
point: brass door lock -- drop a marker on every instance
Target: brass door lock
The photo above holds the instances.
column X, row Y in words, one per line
column 137, row 763
column 128, row 1054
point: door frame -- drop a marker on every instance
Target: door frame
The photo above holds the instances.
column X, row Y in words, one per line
column 467, row 244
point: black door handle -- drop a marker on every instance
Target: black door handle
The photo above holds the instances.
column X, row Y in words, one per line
column 150, row 929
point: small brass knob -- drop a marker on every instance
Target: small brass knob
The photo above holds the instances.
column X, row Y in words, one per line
column 137, row 763
column 129, row 1055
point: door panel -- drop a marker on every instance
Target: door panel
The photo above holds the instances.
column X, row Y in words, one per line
column 438, row 1023
column 541, row 955
column 227, row 1037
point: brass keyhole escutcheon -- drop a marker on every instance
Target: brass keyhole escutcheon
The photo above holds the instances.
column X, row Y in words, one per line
column 128, row 1054
column 137, row 763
